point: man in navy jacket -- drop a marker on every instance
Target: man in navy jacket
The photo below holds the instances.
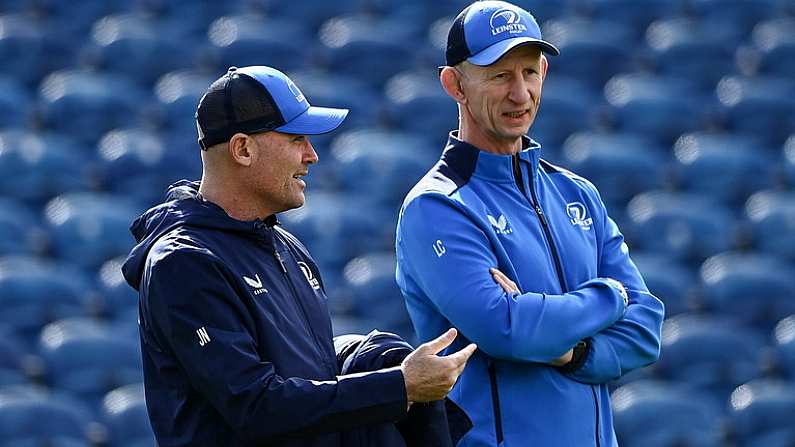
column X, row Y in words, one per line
column 571, row 312
column 235, row 331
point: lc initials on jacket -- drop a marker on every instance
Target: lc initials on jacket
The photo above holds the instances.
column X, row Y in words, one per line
column 236, row 335
column 548, row 230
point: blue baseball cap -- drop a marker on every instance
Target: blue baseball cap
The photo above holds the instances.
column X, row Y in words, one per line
column 485, row 30
column 259, row 99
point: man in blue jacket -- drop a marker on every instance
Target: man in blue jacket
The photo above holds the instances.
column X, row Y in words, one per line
column 580, row 314
column 235, row 331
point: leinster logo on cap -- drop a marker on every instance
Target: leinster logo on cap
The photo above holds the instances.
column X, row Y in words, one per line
column 506, row 20
column 294, row 89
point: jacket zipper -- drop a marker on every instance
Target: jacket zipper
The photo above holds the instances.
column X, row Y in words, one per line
column 495, row 403
column 283, row 268
column 555, row 256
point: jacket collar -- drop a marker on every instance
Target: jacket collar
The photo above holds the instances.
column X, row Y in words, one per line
column 492, row 167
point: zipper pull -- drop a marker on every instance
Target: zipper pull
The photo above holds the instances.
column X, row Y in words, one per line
column 281, row 262
column 541, row 215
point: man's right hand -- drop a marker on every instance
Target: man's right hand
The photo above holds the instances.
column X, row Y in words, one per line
column 430, row 377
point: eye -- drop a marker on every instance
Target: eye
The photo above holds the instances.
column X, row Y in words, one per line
column 501, row 76
column 299, row 139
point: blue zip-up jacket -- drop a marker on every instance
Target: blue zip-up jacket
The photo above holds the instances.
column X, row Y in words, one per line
column 236, row 336
column 546, row 229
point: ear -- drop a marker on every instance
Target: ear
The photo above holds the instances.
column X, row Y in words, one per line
column 544, row 66
column 240, row 149
column 451, row 83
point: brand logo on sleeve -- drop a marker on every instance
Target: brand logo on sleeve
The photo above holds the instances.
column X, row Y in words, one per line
column 255, row 284
column 310, row 277
column 578, row 215
column 500, row 224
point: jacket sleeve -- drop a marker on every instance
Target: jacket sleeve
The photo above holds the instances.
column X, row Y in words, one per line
column 449, row 256
column 634, row 340
column 188, row 292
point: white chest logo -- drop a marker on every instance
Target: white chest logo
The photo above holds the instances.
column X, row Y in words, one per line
column 310, row 277
column 500, row 224
column 578, row 215
column 255, row 284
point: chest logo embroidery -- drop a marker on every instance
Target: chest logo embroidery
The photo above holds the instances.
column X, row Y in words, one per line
column 255, row 284
column 500, row 224
column 578, row 215
column 310, row 277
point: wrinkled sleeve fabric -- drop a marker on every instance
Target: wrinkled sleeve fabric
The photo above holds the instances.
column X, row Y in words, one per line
column 244, row 388
column 634, row 340
column 449, row 256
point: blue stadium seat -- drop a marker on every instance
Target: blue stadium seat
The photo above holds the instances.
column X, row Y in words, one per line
column 772, row 217
column 620, row 165
column 335, row 232
column 417, row 103
column 34, row 292
column 756, row 288
column 20, row 230
column 775, row 44
column 87, row 358
column 138, row 164
column 374, row 294
column 784, row 340
column 659, row 414
column 87, row 229
column 637, row 14
column 138, row 46
column 669, row 280
column 34, row 167
column 312, row 13
column 77, row 18
column 726, row 167
column 586, row 45
column 710, row 352
column 189, row 19
column 763, row 106
column 119, row 300
column 741, row 14
column 15, row 103
column 354, row 45
column 125, row 416
column 762, row 408
column 253, row 40
column 394, row 162
column 87, row 104
column 682, row 226
column 566, row 107
column 32, row 417
column 331, row 89
column 691, row 49
column 661, row 107
column 30, row 53
column 178, row 95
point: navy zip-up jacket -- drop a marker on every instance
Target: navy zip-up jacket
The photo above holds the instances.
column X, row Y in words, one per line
column 236, row 336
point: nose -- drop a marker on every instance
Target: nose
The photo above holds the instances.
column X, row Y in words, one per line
column 310, row 156
column 519, row 91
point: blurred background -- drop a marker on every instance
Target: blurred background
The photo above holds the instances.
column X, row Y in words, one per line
column 682, row 112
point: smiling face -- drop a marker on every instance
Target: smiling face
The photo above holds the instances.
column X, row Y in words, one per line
column 281, row 160
column 499, row 102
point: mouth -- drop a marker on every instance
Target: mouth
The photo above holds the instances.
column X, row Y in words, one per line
column 517, row 114
column 298, row 177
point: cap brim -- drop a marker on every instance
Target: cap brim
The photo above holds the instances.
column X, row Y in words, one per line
column 315, row 121
column 490, row 54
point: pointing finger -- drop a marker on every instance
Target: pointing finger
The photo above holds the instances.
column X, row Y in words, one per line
column 440, row 342
column 460, row 358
